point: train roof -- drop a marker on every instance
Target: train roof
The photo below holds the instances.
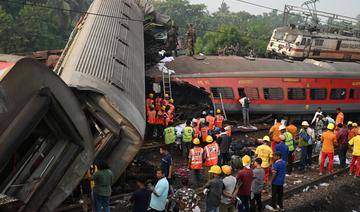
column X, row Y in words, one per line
column 234, row 66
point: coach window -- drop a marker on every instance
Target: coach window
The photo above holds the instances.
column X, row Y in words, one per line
column 338, row 93
column 226, row 92
column 273, row 93
column 354, row 93
column 296, row 93
column 252, row 93
column 318, row 93
column 319, row 42
column 303, row 42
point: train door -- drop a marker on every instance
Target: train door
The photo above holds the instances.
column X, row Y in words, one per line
column 307, row 47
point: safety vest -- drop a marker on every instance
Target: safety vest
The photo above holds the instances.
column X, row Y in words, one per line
column 171, row 112
column 219, row 120
column 158, row 101
column 211, row 120
column 151, row 117
column 204, row 133
column 289, row 141
column 149, row 102
column 187, row 134
column 211, row 153
column 196, row 132
column 160, row 118
column 169, row 134
column 196, row 157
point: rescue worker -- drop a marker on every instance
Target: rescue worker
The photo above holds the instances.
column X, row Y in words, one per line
column 158, row 102
column 291, row 128
column 265, row 153
column 160, row 122
column 274, row 133
column 187, row 137
column 170, row 138
column 165, row 101
column 339, row 117
column 211, row 120
column 196, row 130
column 151, row 122
column 204, row 130
column 195, row 162
column 171, row 110
column 219, row 119
column 211, row 152
column 353, row 131
column 149, row 101
column 355, row 141
column 329, row 140
column 304, row 142
column 167, row 120
column 289, row 141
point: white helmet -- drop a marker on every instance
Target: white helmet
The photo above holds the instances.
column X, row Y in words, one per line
column 282, row 127
column 305, row 123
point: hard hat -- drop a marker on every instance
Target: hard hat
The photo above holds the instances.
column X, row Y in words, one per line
column 215, row 169
column 218, row 111
column 354, row 124
column 171, row 100
column 246, row 160
column 163, row 107
column 209, row 139
column 166, row 95
column 226, row 169
column 331, row 126
column 349, row 123
column 282, row 137
column 151, row 95
column 304, row 123
column 266, row 138
column 282, row 127
column 196, row 141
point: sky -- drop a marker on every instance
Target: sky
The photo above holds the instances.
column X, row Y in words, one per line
column 342, row 7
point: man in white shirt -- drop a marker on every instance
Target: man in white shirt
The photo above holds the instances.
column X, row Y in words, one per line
column 318, row 112
column 245, row 104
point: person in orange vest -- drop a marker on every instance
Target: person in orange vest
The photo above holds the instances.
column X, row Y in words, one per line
column 353, row 131
column 158, row 102
column 219, row 119
column 160, row 122
column 204, row 130
column 196, row 129
column 195, row 162
column 149, row 101
column 171, row 110
column 211, row 120
column 211, row 152
column 275, row 133
column 151, row 122
column 339, row 117
column 165, row 101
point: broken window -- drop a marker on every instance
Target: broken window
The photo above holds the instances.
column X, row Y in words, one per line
column 318, row 93
column 296, row 93
column 226, row 92
column 273, row 93
column 338, row 93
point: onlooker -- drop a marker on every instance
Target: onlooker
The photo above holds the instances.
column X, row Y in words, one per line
column 257, row 186
column 328, row 119
column 304, row 142
column 141, row 197
column 102, row 188
column 275, row 133
column 159, row 193
column 329, row 140
column 265, row 153
column 228, row 195
column 282, row 148
column 277, row 183
column 244, row 178
column 342, row 139
column 166, row 163
column 185, row 198
column 213, row 189
column 224, row 142
column 355, row 141
column 245, row 105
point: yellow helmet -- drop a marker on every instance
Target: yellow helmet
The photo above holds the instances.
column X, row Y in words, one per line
column 246, row 160
column 166, row 95
column 163, row 107
column 215, row 169
column 331, row 126
column 218, row 111
column 226, row 169
column 196, row 141
column 266, row 138
column 349, row 123
column 151, row 95
column 354, row 124
column 171, row 100
column 209, row 139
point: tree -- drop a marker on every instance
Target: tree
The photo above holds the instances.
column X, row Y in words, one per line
column 224, row 8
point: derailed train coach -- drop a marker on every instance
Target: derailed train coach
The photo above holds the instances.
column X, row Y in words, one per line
column 53, row 126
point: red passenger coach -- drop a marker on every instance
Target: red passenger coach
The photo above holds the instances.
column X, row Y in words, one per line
column 274, row 86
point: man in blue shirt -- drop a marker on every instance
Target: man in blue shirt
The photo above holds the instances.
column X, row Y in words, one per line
column 159, row 193
column 282, row 148
column 166, row 162
column 277, row 183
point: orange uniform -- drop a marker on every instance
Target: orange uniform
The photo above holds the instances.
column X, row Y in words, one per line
column 196, row 132
column 204, row 133
column 275, row 138
column 158, row 102
column 196, row 157
column 149, row 102
column 171, row 112
column 339, row 118
column 160, row 118
column 151, row 119
column 329, row 139
column 211, row 120
column 219, row 121
column 211, row 154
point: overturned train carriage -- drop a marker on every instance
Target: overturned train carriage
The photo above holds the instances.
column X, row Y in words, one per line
column 52, row 131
